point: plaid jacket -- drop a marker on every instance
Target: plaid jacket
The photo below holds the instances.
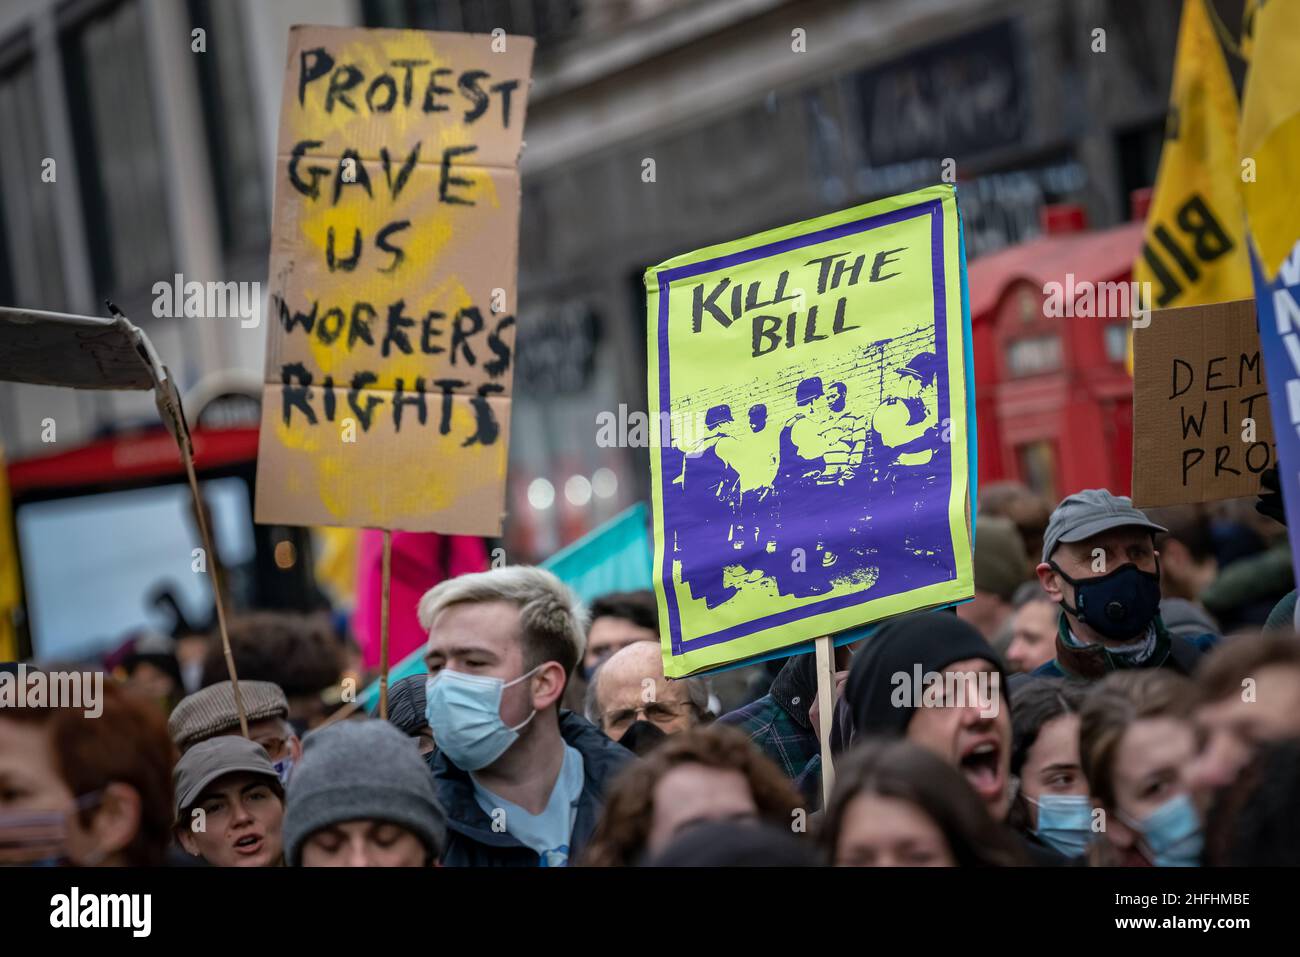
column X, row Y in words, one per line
column 778, row 722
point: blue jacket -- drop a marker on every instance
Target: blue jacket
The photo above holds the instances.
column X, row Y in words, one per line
column 471, row 842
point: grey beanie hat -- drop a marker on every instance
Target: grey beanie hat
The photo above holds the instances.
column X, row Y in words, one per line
column 361, row 770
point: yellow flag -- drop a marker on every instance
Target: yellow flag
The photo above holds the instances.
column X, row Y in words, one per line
column 336, row 563
column 10, row 596
column 1270, row 133
column 1249, row 10
column 1194, row 249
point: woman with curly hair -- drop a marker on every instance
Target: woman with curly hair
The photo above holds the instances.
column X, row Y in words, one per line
column 709, row 773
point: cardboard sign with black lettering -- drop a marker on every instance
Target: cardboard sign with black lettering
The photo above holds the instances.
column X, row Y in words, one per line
column 1202, row 430
column 386, row 399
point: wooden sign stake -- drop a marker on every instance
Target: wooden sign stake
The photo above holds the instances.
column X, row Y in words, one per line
column 825, row 710
column 383, row 625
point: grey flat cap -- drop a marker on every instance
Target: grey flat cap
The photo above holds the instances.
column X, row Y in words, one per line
column 211, row 711
column 1086, row 513
column 215, row 758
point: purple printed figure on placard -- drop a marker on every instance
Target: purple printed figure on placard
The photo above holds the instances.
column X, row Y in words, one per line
column 810, row 449
column 907, row 448
column 709, row 486
column 848, row 488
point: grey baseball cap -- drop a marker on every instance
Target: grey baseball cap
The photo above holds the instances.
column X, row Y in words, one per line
column 215, row 758
column 1086, row 513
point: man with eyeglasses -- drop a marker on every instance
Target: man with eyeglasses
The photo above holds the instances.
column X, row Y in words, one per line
column 632, row 702
column 211, row 712
column 617, row 620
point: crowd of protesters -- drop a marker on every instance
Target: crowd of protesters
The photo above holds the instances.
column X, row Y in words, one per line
column 1124, row 689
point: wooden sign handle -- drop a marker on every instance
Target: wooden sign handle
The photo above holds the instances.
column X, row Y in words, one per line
column 204, row 531
column 825, row 710
column 383, row 624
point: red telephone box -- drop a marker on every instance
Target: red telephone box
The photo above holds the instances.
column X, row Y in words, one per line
column 1051, row 322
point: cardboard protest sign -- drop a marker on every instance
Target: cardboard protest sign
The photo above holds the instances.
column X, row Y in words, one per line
column 811, row 464
column 79, row 352
column 89, row 352
column 386, row 401
column 1202, row 430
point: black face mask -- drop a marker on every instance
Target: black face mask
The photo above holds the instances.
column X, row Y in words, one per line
column 1118, row 606
column 641, row 737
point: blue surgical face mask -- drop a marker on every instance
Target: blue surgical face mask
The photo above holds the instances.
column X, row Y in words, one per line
column 1064, row 822
column 464, row 712
column 1173, row 833
column 284, row 769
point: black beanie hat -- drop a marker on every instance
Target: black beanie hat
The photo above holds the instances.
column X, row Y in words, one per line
column 930, row 639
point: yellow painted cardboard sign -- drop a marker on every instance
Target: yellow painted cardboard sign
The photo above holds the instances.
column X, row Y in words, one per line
column 386, row 399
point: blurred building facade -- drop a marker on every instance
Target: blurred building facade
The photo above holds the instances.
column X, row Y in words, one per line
column 654, row 127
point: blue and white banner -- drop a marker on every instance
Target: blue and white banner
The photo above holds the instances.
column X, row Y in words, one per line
column 1278, row 312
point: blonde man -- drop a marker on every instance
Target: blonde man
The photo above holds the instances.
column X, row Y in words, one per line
column 522, row 781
